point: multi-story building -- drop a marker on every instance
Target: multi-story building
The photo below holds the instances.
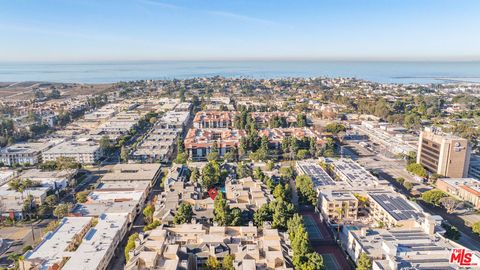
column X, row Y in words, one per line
column 25, row 153
column 466, row 189
column 188, row 246
column 158, row 145
column 355, row 175
column 12, row 202
column 52, row 179
column 78, row 243
column 444, row 154
column 199, row 142
column 338, row 205
column 214, row 119
column 265, row 118
column 246, row 193
column 474, row 168
column 402, row 248
column 276, row 135
column 392, row 210
column 84, row 152
column 148, row 172
column 58, row 245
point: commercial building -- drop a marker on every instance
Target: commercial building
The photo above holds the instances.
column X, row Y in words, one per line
column 188, row 246
column 199, row 142
column 392, row 138
column 84, row 152
column 466, row 189
column 444, row 154
column 214, row 119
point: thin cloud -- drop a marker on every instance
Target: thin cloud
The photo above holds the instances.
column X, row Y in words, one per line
column 241, row 17
column 160, row 4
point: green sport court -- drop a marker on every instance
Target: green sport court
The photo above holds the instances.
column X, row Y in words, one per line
column 330, row 262
column 314, row 232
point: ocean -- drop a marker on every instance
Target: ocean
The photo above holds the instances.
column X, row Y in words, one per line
column 382, row 72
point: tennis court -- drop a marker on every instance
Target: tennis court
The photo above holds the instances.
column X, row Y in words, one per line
column 330, row 262
column 311, row 226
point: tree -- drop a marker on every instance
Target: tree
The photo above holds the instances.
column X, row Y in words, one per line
column 194, row 175
column 306, row 191
column 364, row 262
column 476, row 227
column 451, row 232
column 181, row 158
column 229, row 156
column 124, row 154
column 287, row 172
column 212, row 156
column 130, row 245
column 51, row 226
column 212, row 263
column 105, row 144
column 51, row 201
column 301, row 120
column 62, row 210
column 433, row 196
column 235, row 217
column 282, row 212
column 227, row 263
column 449, row 203
column 64, row 163
column 408, row 185
column 270, row 165
column 334, row 128
column 184, row 214
column 210, row 174
column 302, row 153
column 261, row 215
column 221, row 210
column 417, row 169
column 314, row 261
column 279, row 193
column 243, row 170
column 148, row 213
column 82, row 196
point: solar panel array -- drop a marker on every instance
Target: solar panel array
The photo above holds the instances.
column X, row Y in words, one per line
column 354, row 174
column 319, row 176
column 396, row 206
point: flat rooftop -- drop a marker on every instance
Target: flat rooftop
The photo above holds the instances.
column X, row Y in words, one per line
column 398, row 207
column 354, row 174
column 97, row 242
column 53, row 247
column 132, row 172
column 319, row 177
column 74, row 147
column 115, row 196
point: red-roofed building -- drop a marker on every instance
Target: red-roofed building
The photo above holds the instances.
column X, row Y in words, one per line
column 276, row 135
column 214, row 119
column 198, row 142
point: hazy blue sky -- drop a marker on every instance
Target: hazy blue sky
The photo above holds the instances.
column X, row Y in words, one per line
column 85, row 30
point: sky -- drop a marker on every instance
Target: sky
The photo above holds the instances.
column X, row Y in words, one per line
column 138, row 30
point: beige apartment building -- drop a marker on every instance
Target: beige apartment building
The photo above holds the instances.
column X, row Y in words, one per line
column 444, row 154
column 340, row 205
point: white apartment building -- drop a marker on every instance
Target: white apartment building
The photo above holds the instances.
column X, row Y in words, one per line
column 84, row 152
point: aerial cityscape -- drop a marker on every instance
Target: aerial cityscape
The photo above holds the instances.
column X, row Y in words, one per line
column 132, row 137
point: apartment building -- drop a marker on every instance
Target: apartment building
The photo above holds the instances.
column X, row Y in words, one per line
column 246, row 193
column 188, row 247
column 445, row 154
column 402, row 248
column 392, row 210
column 25, row 153
column 199, row 142
column 148, row 172
column 179, row 192
column 355, row 175
column 214, row 119
column 51, row 179
column 338, row 205
column 319, row 176
column 56, row 246
column 11, row 201
column 264, row 118
column 158, row 145
column 84, row 152
column 276, row 135
column 466, row 189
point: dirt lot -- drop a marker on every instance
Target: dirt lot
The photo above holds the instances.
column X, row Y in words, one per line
column 23, row 91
